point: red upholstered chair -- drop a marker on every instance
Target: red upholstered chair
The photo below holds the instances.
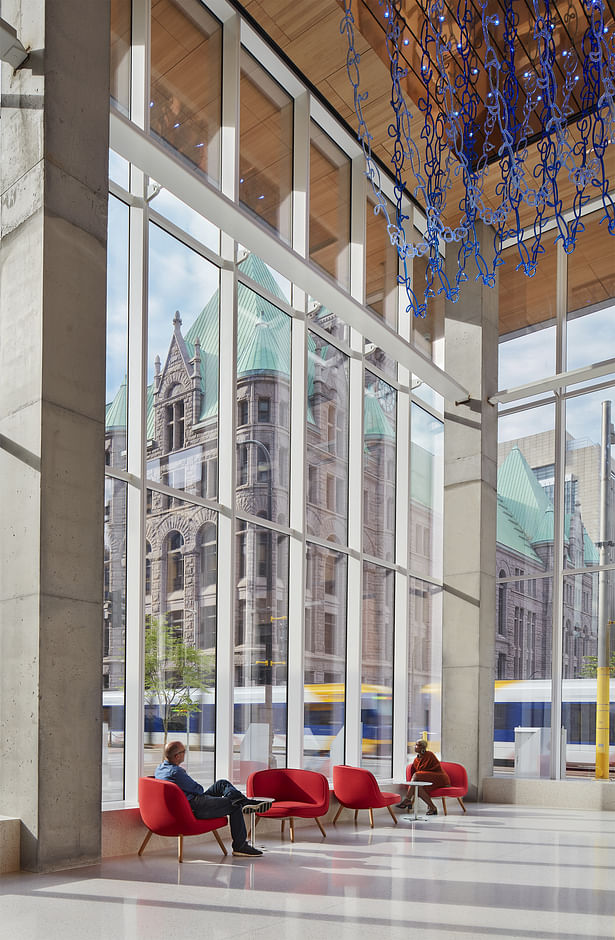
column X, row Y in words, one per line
column 459, row 783
column 165, row 810
column 356, row 789
column 302, row 794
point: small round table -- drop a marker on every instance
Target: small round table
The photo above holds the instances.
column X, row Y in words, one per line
column 416, row 784
column 251, row 810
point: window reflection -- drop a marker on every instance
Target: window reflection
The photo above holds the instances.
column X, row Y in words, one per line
column 325, row 658
column 265, row 147
column 379, row 467
column 261, row 643
column 524, row 553
column 426, row 488
column 424, row 661
column 120, row 54
column 180, row 632
column 327, row 440
column 116, row 416
column 381, row 265
column 114, row 639
column 377, row 669
column 263, row 392
column 527, row 318
column 185, row 90
column 329, row 236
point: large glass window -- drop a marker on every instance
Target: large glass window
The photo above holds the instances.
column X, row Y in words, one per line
column 426, row 492
column 325, row 658
column 263, row 382
column 265, row 147
column 527, row 318
column 180, row 633
column 114, row 639
column 183, row 268
column 261, row 644
column 120, row 54
column 329, row 206
column 182, row 400
column 380, row 263
column 424, row 662
column 524, row 562
column 186, row 85
column 116, row 417
column 379, row 468
column 327, row 441
column 377, row 669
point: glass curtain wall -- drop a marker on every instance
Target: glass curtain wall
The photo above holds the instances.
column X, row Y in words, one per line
column 555, row 524
column 115, row 510
column 233, row 551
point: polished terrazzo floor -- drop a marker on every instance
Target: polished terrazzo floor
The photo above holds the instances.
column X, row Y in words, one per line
column 497, row 872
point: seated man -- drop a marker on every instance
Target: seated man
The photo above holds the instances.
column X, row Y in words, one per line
column 221, row 799
column 425, row 766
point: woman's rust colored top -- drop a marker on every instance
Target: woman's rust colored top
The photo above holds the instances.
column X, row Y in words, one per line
column 427, row 767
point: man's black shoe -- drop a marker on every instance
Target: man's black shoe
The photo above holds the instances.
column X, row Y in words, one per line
column 247, row 851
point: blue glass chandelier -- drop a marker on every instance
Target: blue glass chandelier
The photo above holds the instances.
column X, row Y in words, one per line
column 517, row 103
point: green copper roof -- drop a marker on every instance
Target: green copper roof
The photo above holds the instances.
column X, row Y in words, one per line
column 511, row 535
column 117, row 411
column 522, row 495
column 590, row 552
column 205, row 329
column 375, row 421
column 525, row 512
column 263, row 335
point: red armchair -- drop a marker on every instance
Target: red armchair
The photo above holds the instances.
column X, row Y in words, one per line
column 459, row 783
column 302, row 794
column 165, row 810
column 356, row 789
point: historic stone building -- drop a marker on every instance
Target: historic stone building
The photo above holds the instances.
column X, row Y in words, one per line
column 525, row 551
column 181, row 539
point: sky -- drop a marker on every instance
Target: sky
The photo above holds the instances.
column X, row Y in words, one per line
column 530, row 357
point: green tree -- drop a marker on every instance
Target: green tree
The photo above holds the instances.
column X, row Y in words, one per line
column 175, row 673
column 589, row 669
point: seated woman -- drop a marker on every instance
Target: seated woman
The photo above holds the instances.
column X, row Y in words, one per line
column 425, row 766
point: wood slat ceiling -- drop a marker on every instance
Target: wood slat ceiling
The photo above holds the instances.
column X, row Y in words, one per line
column 309, row 34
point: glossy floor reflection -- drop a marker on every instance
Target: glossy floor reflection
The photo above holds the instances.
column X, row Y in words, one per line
column 498, row 872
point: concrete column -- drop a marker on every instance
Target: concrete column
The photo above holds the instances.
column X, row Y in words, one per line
column 470, row 479
column 53, row 189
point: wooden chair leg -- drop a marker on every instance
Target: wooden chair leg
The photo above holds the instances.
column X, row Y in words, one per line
column 337, row 814
column 291, row 825
column 145, row 841
column 219, row 841
column 180, row 848
column 460, row 801
column 282, row 827
column 444, row 805
column 319, row 824
column 371, row 818
column 392, row 814
column 356, row 814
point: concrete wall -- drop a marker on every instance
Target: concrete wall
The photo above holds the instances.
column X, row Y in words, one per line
column 53, row 188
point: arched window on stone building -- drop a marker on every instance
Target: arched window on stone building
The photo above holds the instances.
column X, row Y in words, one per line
column 175, row 562
column 208, row 556
column 502, row 606
column 174, row 420
column 148, row 568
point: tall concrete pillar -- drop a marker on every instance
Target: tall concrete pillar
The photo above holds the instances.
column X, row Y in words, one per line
column 53, row 189
column 470, row 479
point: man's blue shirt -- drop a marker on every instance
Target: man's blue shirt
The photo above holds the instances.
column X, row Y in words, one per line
column 176, row 774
